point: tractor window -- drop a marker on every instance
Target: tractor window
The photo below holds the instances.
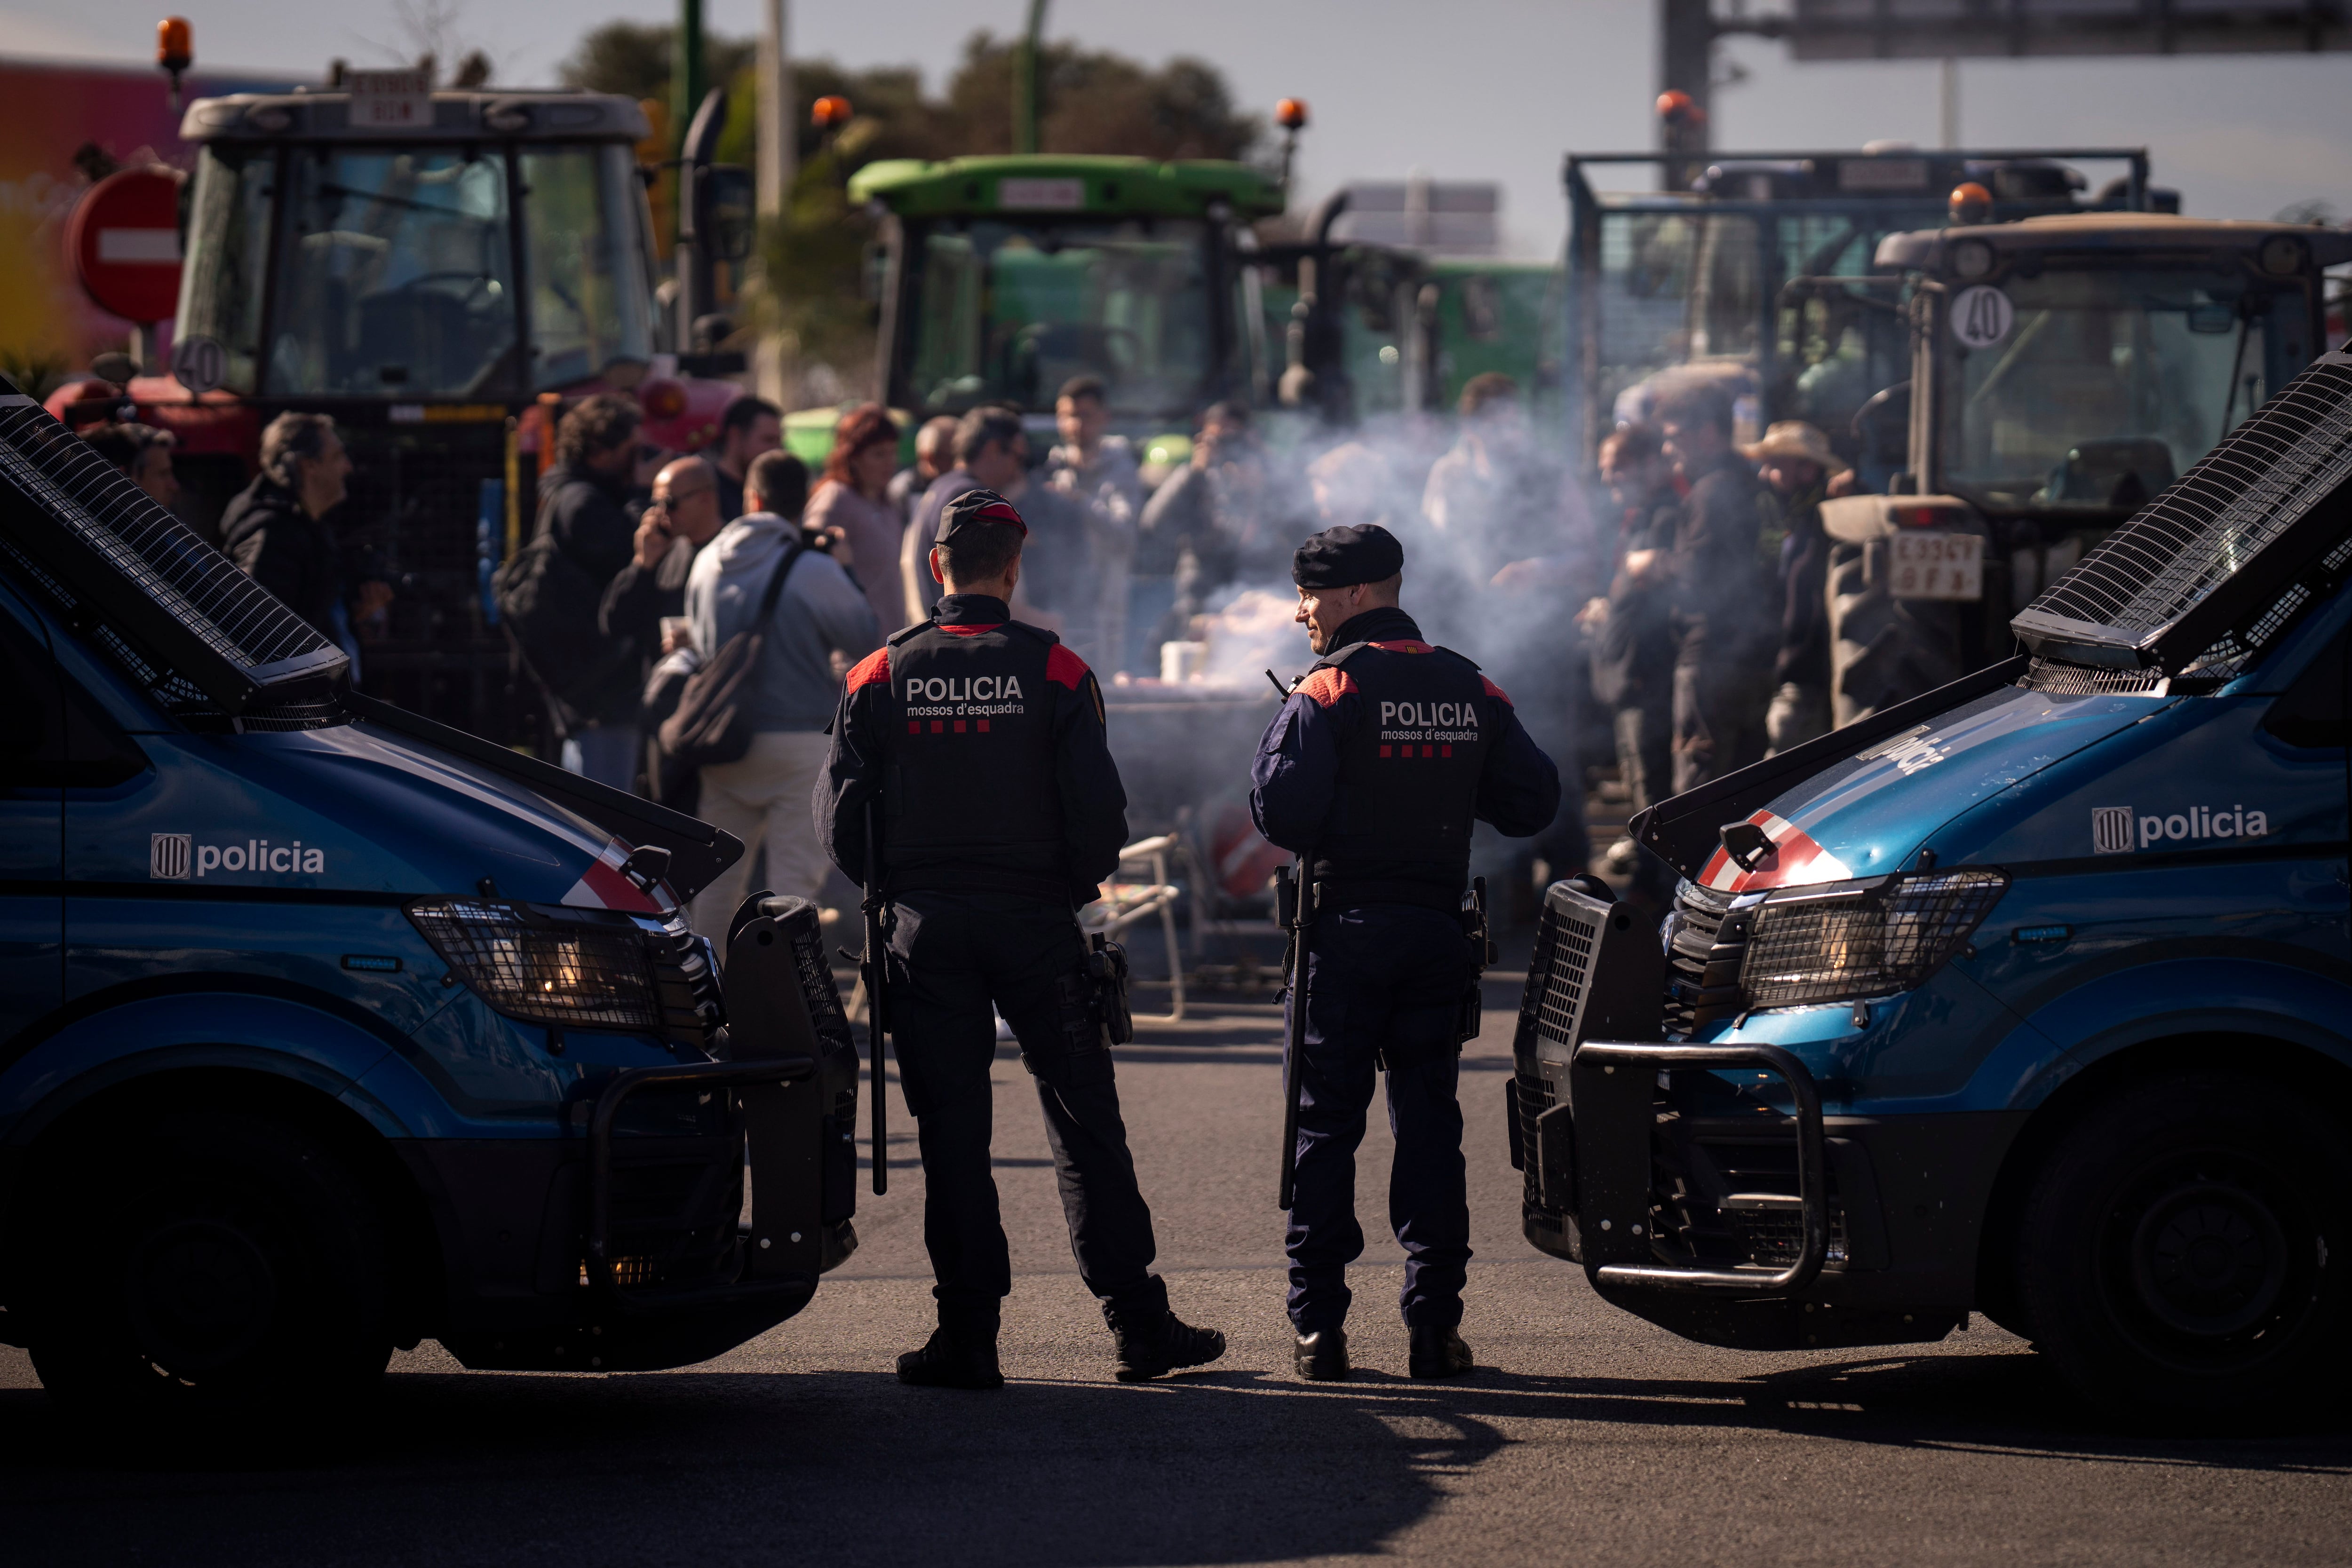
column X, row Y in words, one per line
column 1006, row 312
column 1639, row 313
column 1728, row 319
column 394, row 274
column 587, row 288
column 2093, row 390
column 228, row 255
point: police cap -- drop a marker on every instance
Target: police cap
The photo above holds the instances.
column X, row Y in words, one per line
column 975, row 507
column 1345, row 555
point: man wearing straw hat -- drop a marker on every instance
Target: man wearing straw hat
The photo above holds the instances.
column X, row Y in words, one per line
column 1799, row 469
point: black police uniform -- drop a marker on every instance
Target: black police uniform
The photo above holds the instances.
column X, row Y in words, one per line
column 1375, row 768
column 1001, row 809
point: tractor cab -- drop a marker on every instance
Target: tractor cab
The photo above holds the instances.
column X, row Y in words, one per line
column 503, row 250
column 2064, row 371
column 439, row 272
column 1007, row 276
column 1692, row 281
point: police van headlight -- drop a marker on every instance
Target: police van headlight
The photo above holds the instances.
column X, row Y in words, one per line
column 1840, row 942
column 582, row 968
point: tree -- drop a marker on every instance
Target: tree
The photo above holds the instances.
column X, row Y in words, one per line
column 633, row 58
column 1096, row 101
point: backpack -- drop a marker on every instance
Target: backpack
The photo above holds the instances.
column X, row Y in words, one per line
column 709, row 725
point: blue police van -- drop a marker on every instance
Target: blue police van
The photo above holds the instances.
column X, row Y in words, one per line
column 325, row 1030
column 2030, row 997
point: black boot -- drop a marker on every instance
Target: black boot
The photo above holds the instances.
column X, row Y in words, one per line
column 959, row 1354
column 1322, row 1357
column 1438, row 1353
column 1153, row 1341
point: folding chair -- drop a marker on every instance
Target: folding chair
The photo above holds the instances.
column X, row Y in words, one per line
column 1126, row 902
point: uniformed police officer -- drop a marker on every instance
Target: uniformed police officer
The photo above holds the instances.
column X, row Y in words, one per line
column 1373, row 770
column 1001, row 808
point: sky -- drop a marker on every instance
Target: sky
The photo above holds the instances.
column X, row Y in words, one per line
column 1471, row 89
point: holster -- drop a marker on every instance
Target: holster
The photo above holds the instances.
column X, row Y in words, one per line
column 1107, row 969
column 1480, row 945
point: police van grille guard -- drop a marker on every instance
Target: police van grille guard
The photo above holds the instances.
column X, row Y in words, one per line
column 2199, row 579
column 1565, row 944
column 1560, row 979
column 106, row 543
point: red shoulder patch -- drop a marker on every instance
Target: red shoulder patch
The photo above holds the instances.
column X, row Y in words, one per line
column 1403, row 645
column 874, row 666
column 1497, row 693
column 1327, row 686
column 1065, row 668
column 972, row 631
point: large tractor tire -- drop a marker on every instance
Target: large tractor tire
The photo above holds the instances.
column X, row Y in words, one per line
column 1885, row 650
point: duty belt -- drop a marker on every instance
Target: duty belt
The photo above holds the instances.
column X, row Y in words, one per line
column 1341, row 892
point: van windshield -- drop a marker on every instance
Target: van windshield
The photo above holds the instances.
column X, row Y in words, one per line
column 2093, row 390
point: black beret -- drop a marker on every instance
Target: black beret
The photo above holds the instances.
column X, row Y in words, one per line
column 1343, row 557
column 976, row 506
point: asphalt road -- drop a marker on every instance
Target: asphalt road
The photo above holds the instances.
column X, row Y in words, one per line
column 1587, row 1437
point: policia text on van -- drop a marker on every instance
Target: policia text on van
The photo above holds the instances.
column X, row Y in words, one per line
column 2027, row 997
column 324, row 1029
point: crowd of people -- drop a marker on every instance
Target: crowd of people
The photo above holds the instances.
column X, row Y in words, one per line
column 1674, row 615
column 1710, row 645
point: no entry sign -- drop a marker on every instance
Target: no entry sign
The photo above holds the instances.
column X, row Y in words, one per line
column 125, row 239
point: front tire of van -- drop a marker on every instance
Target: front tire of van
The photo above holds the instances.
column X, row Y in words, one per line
column 2176, row 1257
column 236, row 1269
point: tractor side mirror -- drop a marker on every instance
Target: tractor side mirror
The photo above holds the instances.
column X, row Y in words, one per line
column 729, row 212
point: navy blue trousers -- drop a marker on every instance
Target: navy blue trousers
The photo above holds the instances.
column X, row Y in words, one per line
column 950, row 956
column 1384, row 985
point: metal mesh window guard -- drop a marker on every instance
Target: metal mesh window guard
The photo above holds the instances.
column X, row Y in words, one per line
column 171, row 691
column 2055, row 678
column 542, row 969
column 1863, row 942
column 2263, row 478
column 236, row 617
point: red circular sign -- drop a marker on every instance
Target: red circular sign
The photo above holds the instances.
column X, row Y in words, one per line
column 125, row 240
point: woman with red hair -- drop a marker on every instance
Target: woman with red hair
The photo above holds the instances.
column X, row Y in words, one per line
column 852, row 497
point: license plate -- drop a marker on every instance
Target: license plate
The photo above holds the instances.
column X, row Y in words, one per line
column 1939, row 566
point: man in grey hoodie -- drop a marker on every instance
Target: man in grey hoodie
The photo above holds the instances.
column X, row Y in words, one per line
column 821, row 611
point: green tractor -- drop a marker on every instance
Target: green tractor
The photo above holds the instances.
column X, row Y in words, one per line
column 999, row 278
column 1004, row 277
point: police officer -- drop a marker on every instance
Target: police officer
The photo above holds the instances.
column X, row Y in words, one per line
column 1001, row 810
column 1373, row 770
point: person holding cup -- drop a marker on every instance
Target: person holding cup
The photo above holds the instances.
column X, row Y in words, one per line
column 646, row 601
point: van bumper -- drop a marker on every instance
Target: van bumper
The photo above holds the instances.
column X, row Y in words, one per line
column 1725, row 1206
column 620, row 1245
